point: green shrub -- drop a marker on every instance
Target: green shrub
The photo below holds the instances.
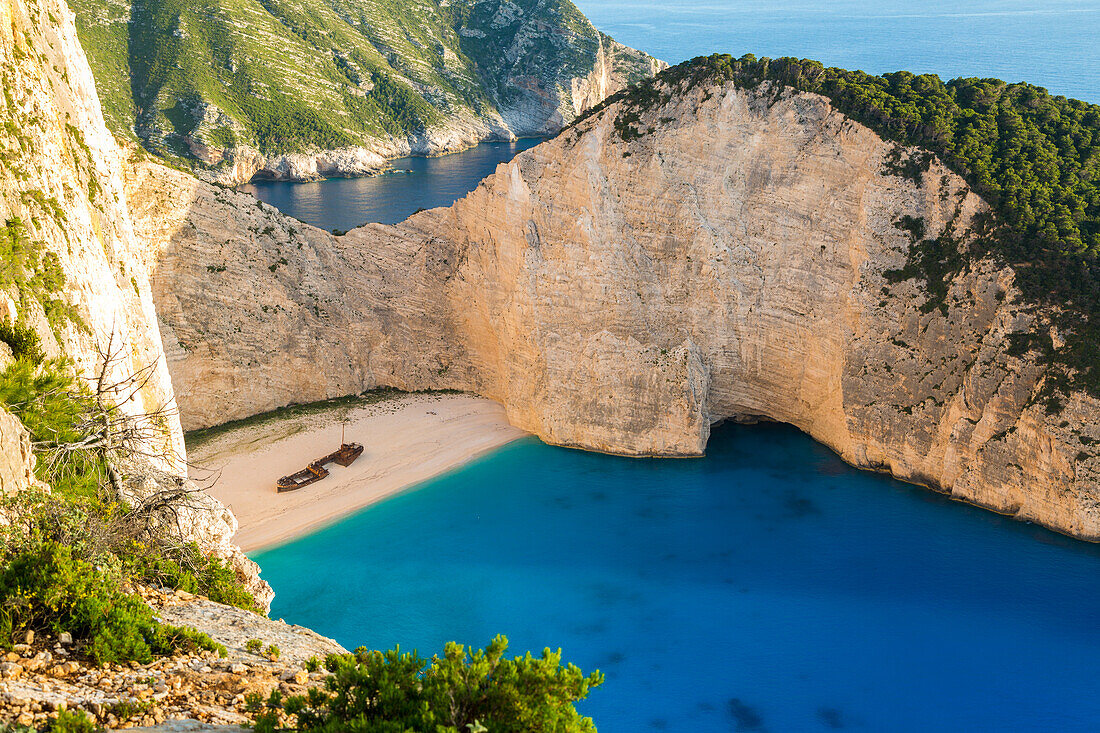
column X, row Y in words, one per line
column 53, row 405
column 384, row 692
column 24, row 341
column 186, row 568
column 32, row 271
column 48, row 590
column 272, row 652
column 126, row 709
column 68, row 721
column 254, row 646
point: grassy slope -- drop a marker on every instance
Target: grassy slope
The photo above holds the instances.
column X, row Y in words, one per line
column 292, row 75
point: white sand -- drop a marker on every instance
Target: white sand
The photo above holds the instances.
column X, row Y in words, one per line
column 407, row 440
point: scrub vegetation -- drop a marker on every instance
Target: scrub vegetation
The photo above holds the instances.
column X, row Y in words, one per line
column 299, row 76
column 66, row 555
column 459, row 692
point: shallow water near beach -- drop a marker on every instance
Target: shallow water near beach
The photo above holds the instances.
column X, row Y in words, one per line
column 767, row 586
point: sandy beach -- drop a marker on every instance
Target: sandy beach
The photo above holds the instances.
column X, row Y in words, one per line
column 407, row 439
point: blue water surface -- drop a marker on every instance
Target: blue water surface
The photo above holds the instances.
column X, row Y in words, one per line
column 1052, row 43
column 416, row 183
column 767, row 586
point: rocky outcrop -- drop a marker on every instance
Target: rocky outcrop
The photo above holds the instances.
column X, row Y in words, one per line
column 726, row 263
column 60, row 177
column 16, row 457
column 184, row 692
column 326, row 88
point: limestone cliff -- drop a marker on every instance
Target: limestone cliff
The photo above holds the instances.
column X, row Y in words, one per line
column 60, row 186
column 62, row 198
column 328, row 87
column 624, row 296
column 16, row 457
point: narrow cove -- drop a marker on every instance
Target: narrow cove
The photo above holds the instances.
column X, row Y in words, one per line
column 412, row 184
column 768, row 586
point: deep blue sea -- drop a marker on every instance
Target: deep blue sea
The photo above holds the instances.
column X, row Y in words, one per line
column 1052, row 43
column 768, row 586
column 416, row 183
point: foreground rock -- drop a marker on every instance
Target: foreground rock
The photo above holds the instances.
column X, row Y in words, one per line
column 725, row 264
column 37, row 681
column 16, row 457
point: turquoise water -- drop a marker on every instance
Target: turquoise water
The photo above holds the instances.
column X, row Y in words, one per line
column 1052, row 43
column 767, row 586
column 422, row 183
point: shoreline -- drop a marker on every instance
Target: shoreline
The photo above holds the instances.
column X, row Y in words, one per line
column 408, row 439
column 364, row 171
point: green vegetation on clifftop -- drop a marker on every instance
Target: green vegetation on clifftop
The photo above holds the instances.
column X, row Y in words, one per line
column 1034, row 157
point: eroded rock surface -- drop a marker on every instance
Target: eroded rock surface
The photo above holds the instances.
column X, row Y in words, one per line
column 16, row 457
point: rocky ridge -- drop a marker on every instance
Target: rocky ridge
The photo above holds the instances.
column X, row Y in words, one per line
column 329, row 88
column 623, row 295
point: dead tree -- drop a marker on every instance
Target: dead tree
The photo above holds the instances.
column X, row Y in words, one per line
column 130, row 441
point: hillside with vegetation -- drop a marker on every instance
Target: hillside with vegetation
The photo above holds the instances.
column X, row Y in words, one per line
column 1034, row 157
column 195, row 80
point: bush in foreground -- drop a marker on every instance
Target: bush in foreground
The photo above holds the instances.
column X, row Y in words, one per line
column 48, row 590
column 460, row 692
column 66, row 554
column 65, row 722
column 185, row 567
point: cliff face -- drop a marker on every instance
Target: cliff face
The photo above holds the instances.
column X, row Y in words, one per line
column 16, row 457
column 329, row 87
column 60, row 180
column 624, row 296
column 62, row 197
